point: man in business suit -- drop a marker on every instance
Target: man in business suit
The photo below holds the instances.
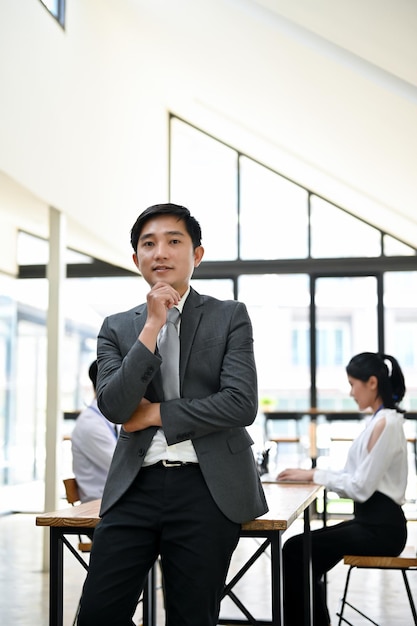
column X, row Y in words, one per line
column 183, row 476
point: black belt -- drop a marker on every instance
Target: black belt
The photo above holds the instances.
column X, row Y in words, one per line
column 169, row 464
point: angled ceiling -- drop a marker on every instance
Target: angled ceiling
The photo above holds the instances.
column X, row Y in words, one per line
column 325, row 92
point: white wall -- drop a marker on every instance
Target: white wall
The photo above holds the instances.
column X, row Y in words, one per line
column 81, row 127
column 323, row 92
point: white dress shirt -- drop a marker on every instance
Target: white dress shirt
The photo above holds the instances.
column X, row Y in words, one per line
column 383, row 469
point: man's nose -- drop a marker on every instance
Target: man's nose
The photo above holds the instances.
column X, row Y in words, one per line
column 161, row 250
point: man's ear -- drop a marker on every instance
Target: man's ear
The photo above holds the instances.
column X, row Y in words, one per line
column 198, row 255
column 136, row 260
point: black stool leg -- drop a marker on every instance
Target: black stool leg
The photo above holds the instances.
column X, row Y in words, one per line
column 410, row 597
column 343, row 600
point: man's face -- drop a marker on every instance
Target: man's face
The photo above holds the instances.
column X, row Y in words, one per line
column 165, row 252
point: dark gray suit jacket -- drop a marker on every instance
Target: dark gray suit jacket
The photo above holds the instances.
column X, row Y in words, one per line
column 218, row 399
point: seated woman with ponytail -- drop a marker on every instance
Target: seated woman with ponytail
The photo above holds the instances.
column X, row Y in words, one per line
column 374, row 477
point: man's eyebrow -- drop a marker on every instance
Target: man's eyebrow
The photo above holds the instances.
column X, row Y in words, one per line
column 169, row 233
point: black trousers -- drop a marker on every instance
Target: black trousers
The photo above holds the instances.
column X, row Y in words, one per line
column 166, row 512
column 378, row 528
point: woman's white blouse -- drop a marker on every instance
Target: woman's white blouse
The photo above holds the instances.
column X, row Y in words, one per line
column 383, row 469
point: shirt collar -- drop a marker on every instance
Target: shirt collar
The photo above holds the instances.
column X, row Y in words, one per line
column 181, row 303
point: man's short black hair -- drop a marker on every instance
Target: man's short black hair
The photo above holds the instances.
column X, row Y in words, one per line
column 181, row 212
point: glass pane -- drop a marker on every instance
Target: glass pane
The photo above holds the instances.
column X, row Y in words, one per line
column 88, row 298
column 52, row 6
column 33, row 250
column 336, row 234
column 280, row 327
column 346, row 314
column 7, row 352
column 34, row 294
column 400, row 304
column 27, row 442
column 393, row 247
column 56, row 8
column 221, row 289
column 273, row 215
column 204, row 179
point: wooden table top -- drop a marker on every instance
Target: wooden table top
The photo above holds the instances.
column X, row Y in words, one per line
column 314, row 412
column 80, row 516
column 286, row 502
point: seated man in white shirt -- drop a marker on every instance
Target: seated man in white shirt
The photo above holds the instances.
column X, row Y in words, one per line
column 93, row 441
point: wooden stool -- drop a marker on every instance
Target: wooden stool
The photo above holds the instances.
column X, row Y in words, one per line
column 407, row 561
column 73, row 497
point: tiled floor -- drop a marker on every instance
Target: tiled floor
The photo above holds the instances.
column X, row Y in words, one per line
column 24, row 586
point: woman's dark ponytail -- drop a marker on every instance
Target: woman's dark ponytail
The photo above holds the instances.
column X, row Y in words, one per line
column 391, row 384
column 397, row 382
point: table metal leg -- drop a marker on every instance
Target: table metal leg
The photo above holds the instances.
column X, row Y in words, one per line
column 276, row 580
column 272, row 539
column 308, row 574
column 56, row 586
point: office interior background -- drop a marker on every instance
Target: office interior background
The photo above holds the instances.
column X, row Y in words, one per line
column 289, row 130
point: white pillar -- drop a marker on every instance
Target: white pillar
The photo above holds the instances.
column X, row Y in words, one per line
column 56, row 273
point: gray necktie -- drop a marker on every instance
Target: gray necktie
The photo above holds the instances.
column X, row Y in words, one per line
column 169, row 349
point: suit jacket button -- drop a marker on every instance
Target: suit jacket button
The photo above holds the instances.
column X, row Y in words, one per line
column 147, row 375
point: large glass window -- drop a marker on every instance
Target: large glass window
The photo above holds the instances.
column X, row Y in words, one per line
column 284, row 239
column 309, row 309
column 23, row 353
